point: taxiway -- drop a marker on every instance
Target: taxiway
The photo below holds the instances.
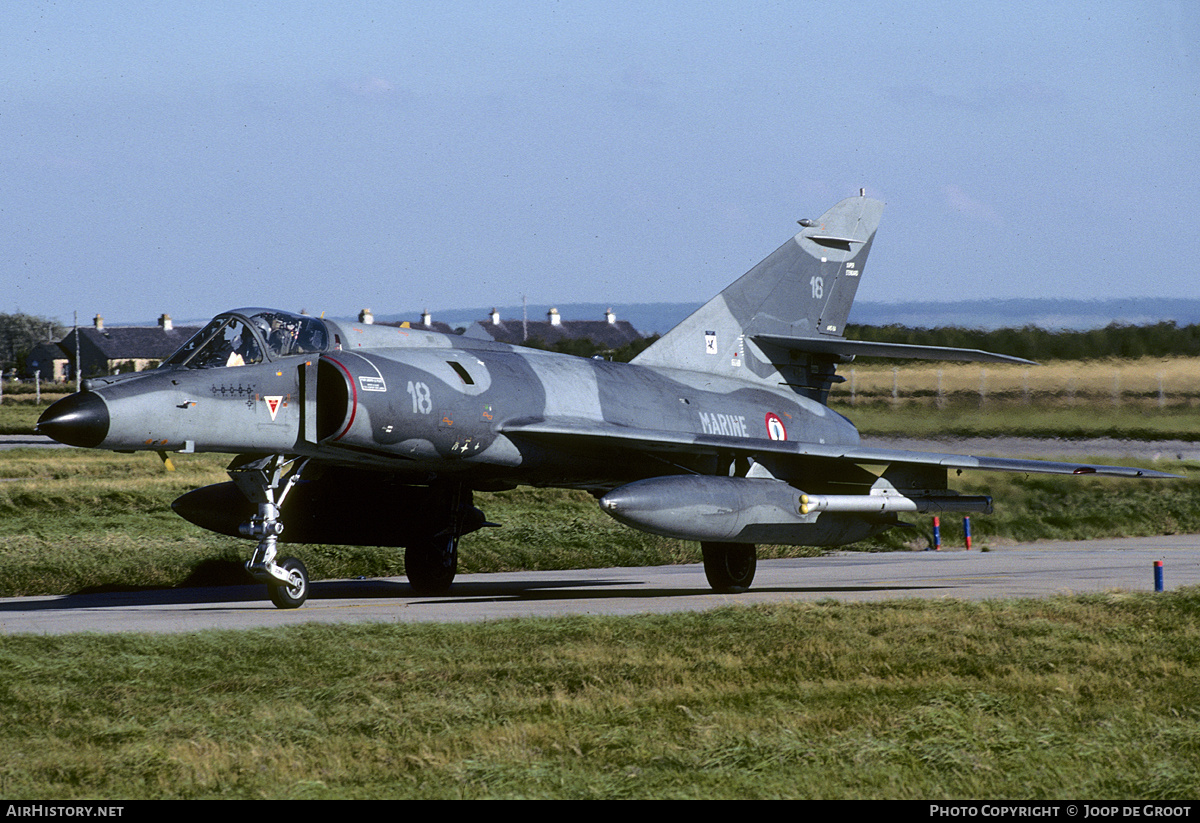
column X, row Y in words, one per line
column 1029, row 570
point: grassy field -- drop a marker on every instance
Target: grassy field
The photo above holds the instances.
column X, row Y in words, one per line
column 74, row 520
column 1081, row 697
column 1072, row 697
column 963, row 419
column 19, row 418
column 1150, row 399
column 1165, row 381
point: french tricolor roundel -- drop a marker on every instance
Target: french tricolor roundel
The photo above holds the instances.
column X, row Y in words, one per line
column 775, row 428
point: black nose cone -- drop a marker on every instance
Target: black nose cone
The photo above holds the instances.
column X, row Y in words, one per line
column 77, row 420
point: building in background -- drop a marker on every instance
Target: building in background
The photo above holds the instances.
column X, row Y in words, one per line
column 609, row 333
column 108, row 349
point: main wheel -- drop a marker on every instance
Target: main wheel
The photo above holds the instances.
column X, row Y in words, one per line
column 432, row 564
column 729, row 567
column 290, row 595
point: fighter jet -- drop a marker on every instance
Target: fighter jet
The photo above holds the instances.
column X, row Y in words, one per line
column 719, row 432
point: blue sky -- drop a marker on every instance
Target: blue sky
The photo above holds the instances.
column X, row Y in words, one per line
column 187, row 158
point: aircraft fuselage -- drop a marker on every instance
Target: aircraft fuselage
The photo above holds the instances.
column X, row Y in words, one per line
column 418, row 403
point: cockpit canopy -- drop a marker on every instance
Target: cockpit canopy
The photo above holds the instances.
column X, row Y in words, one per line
column 244, row 337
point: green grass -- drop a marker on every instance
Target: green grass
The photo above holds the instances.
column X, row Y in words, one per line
column 75, row 520
column 1017, row 420
column 19, row 418
column 1090, row 696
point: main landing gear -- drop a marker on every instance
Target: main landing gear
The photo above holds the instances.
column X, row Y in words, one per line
column 431, row 563
column 267, row 481
column 729, row 567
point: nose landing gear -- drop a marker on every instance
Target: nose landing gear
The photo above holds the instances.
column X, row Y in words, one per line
column 267, row 481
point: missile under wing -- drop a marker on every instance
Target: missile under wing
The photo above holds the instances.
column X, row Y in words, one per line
column 372, row 435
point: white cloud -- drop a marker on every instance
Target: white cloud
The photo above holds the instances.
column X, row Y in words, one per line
column 963, row 203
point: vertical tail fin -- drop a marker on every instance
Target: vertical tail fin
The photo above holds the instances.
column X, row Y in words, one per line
column 803, row 289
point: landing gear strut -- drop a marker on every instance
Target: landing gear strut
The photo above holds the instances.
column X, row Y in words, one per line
column 729, row 567
column 267, row 481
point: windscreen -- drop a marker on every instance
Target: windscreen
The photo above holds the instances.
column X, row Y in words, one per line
column 243, row 340
column 226, row 341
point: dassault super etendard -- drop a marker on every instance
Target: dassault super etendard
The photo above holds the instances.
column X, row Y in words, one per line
column 369, row 435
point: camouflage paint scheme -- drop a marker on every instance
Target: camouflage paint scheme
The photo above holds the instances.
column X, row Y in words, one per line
column 718, row 432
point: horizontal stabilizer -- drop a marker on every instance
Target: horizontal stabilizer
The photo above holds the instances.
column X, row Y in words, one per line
column 900, row 351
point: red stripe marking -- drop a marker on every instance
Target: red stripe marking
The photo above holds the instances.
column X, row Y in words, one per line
column 353, row 397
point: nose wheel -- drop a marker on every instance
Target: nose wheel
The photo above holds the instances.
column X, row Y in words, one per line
column 293, row 593
column 267, row 481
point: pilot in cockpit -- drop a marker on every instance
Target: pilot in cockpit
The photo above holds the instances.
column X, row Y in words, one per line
column 282, row 338
column 244, row 347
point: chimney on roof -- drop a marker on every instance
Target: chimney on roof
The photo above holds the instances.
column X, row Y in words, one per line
column 165, row 322
column 610, row 318
column 426, row 319
column 495, row 317
column 365, row 317
column 554, row 317
column 98, row 322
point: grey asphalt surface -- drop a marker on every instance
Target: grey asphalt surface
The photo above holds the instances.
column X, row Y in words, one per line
column 28, row 441
column 1027, row 570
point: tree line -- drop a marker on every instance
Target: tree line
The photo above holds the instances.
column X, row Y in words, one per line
column 19, row 333
column 1116, row 340
column 1164, row 339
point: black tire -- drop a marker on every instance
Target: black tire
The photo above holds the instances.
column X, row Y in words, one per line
column 431, row 565
column 290, row 595
column 729, row 567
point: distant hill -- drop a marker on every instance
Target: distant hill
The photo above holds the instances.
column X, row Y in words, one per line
column 649, row 318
